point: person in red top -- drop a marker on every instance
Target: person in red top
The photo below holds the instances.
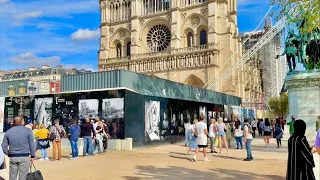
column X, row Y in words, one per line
column 282, row 122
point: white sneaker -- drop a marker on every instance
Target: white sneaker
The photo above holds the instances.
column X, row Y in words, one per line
column 46, row 158
column 41, row 159
column 71, row 158
column 206, row 159
column 194, row 158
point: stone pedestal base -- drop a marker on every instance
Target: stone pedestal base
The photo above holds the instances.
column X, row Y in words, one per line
column 304, row 102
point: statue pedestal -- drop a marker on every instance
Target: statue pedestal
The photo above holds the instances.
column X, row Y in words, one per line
column 304, row 103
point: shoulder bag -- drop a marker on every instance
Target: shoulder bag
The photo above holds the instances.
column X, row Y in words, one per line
column 35, row 175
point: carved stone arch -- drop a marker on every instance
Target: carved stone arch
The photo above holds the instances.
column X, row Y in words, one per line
column 116, row 52
column 120, row 34
column 188, row 41
column 193, row 80
column 185, row 24
column 198, row 35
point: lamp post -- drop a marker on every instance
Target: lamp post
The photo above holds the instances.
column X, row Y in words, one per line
column 22, row 92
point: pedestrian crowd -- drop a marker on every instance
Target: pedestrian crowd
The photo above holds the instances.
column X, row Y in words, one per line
column 21, row 142
column 220, row 133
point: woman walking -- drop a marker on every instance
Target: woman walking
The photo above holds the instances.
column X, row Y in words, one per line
column 278, row 132
column 221, row 127
column 212, row 135
column 99, row 137
column 238, row 133
column 202, row 137
column 300, row 159
column 192, row 137
column 43, row 144
column 228, row 132
column 267, row 131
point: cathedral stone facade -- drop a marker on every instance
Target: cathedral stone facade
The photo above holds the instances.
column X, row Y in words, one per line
column 186, row 41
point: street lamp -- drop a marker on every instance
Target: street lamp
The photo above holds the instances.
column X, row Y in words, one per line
column 22, row 91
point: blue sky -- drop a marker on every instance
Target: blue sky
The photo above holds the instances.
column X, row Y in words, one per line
column 66, row 32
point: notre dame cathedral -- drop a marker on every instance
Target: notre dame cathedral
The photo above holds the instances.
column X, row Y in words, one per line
column 186, row 41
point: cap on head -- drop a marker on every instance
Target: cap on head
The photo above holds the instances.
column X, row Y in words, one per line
column 29, row 121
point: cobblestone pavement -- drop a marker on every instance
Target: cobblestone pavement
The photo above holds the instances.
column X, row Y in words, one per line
column 169, row 162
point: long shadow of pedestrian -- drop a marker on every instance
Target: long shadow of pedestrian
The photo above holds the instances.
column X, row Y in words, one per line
column 178, row 173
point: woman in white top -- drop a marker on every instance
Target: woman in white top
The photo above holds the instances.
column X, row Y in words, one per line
column 221, row 127
column 212, row 135
column 238, row 133
column 192, row 138
column 201, row 132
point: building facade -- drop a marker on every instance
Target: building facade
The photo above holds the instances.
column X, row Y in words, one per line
column 45, row 79
column 272, row 66
column 186, row 41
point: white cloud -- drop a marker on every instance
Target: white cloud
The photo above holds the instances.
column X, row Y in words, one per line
column 30, row 59
column 85, row 34
column 4, row 1
column 49, row 8
column 25, row 15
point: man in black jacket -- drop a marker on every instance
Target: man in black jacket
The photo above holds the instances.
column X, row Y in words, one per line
column 88, row 134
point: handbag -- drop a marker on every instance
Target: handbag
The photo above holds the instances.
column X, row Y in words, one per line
column 35, row 175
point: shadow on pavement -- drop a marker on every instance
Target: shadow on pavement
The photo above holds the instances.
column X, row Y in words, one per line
column 178, row 173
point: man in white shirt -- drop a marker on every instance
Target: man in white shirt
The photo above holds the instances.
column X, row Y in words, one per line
column 248, row 140
column 201, row 132
column 254, row 124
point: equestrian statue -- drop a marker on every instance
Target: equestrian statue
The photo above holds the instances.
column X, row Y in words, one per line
column 303, row 48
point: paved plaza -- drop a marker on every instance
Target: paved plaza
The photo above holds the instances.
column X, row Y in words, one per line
column 170, row 162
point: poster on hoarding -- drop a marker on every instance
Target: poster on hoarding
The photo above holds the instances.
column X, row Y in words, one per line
column 152, row 120
column 2, row 104
column 88, row 107
column 43, row 111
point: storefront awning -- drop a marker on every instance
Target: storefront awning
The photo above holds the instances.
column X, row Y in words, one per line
column 145, row 85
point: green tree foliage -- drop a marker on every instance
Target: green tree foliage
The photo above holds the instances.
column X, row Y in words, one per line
column 279, row 105
column 310, row 11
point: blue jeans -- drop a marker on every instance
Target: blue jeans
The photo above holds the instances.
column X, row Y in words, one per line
column 74, row 148
column 248, row 148
column 239, row 142
column 87, row 145
column 44, row 153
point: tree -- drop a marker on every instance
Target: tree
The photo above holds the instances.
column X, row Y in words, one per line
column 279, row 105
column 309, row 10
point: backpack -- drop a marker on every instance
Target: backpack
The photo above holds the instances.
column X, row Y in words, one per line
column 250, row 129
column 278, row 130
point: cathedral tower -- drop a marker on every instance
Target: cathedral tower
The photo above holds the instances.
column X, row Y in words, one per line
column 187, row 41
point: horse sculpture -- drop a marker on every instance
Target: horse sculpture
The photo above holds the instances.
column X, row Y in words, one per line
column 313, row 48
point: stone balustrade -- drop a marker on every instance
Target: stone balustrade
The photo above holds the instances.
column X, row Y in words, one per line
column 157, row 64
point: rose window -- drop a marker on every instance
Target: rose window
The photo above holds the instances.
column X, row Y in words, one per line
column 158, row 38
